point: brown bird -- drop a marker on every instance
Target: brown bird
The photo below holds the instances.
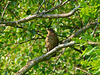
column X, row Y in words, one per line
column 51, row 40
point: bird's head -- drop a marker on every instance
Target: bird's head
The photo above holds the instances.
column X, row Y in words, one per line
column 50, row 30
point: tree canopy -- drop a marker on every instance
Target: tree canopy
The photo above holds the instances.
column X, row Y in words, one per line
column 23, row 26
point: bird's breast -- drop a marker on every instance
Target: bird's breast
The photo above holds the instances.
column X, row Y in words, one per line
column 51, row 40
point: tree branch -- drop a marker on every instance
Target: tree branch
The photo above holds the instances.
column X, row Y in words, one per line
column 89, row 25
column 58, row 58
column 48, row 55
column 95, row 28
column 4, row 10
column 61, row 4
column 40, row 7
column 13, row 23
column 37, row 60
column 94, row 43
column 21, row 42
column 77, row 68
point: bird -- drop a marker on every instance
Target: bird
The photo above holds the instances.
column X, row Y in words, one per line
column 51, row 40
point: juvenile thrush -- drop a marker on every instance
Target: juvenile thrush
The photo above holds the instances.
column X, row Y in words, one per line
column 51, row 40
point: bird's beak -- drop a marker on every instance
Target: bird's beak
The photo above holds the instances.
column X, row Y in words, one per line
column 46, row 29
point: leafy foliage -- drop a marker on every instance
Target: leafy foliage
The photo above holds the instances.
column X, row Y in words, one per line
column 19, row 45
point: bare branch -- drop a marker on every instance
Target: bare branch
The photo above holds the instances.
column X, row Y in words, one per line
column 94, row 43
column 16, row 26
column 58, row 58
column 4, row 10
column 77, row 68
column 21, row 42
column 13, row 23
column 35, row 61
column 77, row 50
column 61, row 4
column 95, row 28
column 40, row 7
column 89, row 25
column 60, row 1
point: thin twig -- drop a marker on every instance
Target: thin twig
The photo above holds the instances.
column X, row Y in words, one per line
column 3, row 25
column 60, row 1
column 11, row 51
column 61, row 4
column 41, row 35
column 78, row 50
column 21, row 42
column 4, row 10
column 12, row 12
column 93, row 43
column 61, row 36
column 95, row 28
column 70, row 27
column 58, row 58
column 31, row 48
column 40, row 7
column 77, row 68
